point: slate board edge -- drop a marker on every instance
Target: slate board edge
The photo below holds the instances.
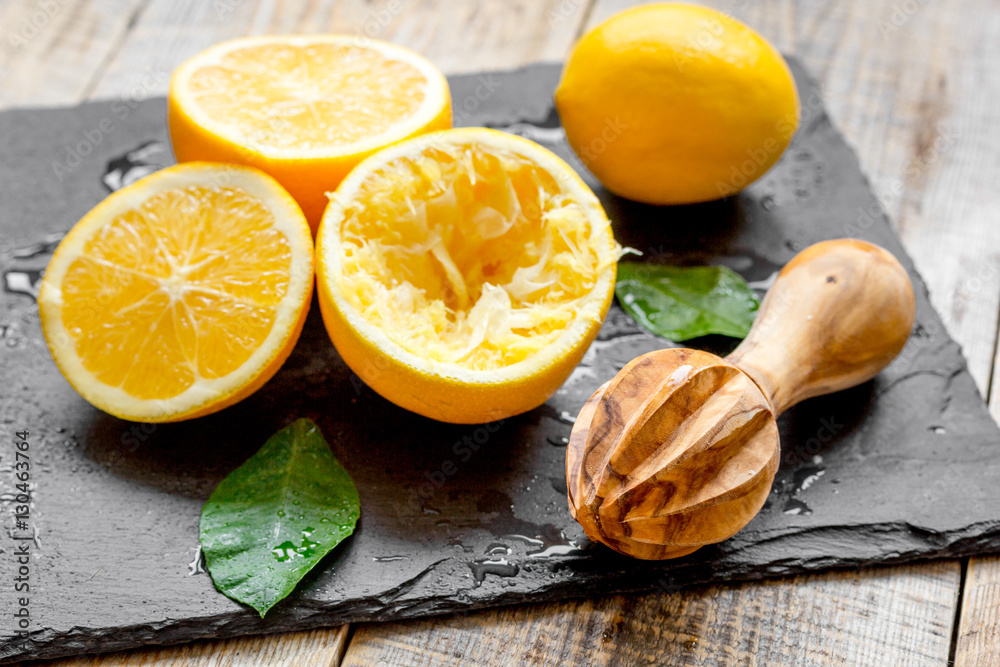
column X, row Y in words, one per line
column 304, row 616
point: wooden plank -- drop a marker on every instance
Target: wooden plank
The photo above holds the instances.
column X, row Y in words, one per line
column 978, row 633
column 914, row 89
column 315, row 648
column 978, row 641
column 494, row 34
column 897, row 616
column 458, row 37
column 52, row 49
column 884, row 89
column 923, row 149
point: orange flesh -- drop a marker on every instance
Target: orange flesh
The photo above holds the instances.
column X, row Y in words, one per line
column 328, row 95
column 186, row 286
column 467, row 254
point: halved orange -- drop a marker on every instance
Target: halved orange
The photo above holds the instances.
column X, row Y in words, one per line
column 180, row 294
column 464, row 273
column 303, row 108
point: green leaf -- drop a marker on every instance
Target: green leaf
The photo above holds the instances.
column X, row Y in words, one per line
column 679, row 302
column 274, row 518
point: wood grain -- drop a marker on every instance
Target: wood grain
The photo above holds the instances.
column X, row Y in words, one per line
column 912, row 92
column 899, row 616
column 838, row 313
column 680, row 448
column 315, row 648
column 978, row 641
column 458, row 37
column 918, row 102
column 650, row 501
column 884, row 92
column 52, row 49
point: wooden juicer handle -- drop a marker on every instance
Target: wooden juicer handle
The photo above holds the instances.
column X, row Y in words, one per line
column 681, row 447
column 837, row 314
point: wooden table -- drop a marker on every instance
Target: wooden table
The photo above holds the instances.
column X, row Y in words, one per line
column 914, row 85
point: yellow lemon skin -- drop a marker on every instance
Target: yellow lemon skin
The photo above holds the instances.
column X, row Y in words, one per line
column 676, row 104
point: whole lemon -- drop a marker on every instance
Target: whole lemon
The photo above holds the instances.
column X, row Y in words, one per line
column 676, row 104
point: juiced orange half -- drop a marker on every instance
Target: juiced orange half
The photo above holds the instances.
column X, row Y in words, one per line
column 463, row 274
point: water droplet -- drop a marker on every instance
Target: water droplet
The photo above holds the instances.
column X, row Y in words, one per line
column 938, row 430
column 810, row 480
column 497, row 548
column 287, row 550
column 500, row 567
column 44, row 247
column 388, row 559
column 557, row 441
column 22, row 282
column 530, row 541
column 691, row 644
column 127, row 168
column 765, row 284
column 197, row 565
column 570, row 549
column 796, row 506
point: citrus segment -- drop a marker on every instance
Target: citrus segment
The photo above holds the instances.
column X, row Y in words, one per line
column 464, row 273
column 176, row 296
column 304, row 108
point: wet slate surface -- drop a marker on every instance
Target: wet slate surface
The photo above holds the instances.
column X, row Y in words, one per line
column 905, row 467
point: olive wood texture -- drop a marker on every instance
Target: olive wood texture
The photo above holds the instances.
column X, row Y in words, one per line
column 681, row 447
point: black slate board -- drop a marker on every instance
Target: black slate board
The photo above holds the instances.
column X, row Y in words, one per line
column 905, row 467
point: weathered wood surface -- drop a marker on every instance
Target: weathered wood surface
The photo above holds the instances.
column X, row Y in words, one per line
column 897, row 616
column 315, row 648
column 914, row 88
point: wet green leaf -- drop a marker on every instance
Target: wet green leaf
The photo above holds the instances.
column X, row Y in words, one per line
column 274, row 518
column 682, row 302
